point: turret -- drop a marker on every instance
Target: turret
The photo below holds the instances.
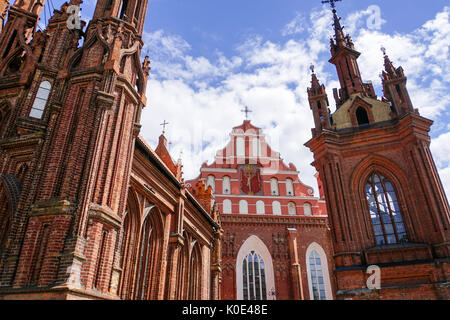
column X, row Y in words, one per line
column 394, row 87
column 318, row 101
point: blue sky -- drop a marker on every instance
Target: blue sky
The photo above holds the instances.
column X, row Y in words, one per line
column 210, row 58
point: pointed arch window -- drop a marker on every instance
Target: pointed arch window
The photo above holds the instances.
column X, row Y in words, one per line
column 194, row 281
column 180, row 291
column 254, row 277
column 387, row 220
column 149, row 256
column 316, row 274
column 40, row 101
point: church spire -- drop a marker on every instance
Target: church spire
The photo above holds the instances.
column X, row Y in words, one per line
column 394, row 86
column 318, row 102
column 338, row 31
column 344, row 57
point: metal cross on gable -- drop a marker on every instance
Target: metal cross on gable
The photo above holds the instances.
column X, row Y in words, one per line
column 246, row 111
column 331, row 2
column 164, row 126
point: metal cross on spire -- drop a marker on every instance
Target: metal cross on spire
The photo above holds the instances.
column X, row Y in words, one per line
column 246, row 110
column 331, row 2
column 164, row 126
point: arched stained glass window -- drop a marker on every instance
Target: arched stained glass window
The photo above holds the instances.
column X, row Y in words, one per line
column 254, row 277
column 387, row 221
column 40, row 101
column 317, row 281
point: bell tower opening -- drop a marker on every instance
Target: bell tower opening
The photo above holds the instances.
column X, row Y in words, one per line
column 362, row 117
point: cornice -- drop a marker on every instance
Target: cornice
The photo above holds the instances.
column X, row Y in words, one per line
column 275, row 220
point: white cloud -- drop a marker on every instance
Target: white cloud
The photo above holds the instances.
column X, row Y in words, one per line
column 202, row 98
column 370, row 18
column 424, row 56
column 297, row 25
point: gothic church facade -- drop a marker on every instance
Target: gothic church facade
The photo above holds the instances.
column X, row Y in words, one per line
column 87, row 209
column 276, row 242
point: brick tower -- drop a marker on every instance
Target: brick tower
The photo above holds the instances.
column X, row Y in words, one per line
column 385, row 200
column 69, row 117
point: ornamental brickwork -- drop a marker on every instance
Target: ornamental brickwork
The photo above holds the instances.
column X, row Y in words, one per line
column 385, row 200
column 266, row 208
column 87, row 209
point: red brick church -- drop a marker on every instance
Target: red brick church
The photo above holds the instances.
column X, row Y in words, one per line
column 385, row 200
column 88, row 210
column 276, row 242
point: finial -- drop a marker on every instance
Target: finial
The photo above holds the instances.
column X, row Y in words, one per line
column 146, row 65
column 246, row 111
column 311, row 67
column 332, row 3
column 164, row 126
column 383, row 49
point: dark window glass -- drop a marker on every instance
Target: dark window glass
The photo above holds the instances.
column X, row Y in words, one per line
column 254, row 277
column 316, row 274
column 387, row 221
